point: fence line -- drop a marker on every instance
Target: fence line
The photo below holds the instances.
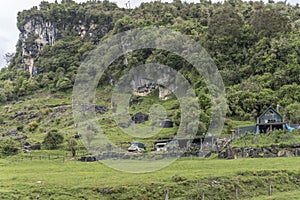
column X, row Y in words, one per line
column 238, row 192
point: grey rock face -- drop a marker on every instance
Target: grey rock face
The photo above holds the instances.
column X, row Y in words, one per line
column 38, row 31
column 140, row 118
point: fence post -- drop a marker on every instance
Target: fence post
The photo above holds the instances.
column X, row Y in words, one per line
column 270, row 187
column 236, row 191
column 202, row 191
column 167, row 194
column 197, row 185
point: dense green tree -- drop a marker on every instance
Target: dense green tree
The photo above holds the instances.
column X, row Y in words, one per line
column 53, row 139
column 255, row 45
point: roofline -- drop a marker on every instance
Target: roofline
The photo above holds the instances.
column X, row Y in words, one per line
column 270, row 107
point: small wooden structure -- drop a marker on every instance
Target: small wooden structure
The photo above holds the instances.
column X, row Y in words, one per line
column 269, row 120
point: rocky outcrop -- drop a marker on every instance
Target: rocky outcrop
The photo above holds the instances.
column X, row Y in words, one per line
column 18, row 114
column 140, row 118
column 261, row 152
column 144, row 82
column 101, row 109
column 137, row 100
column 34, row 34
column 15, row 135
column 166, row 123
column 41, row 27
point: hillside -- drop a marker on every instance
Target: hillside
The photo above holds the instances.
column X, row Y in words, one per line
column 254, row 45
column 46, row 148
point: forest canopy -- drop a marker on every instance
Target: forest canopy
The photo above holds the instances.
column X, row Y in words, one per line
column 255, row 45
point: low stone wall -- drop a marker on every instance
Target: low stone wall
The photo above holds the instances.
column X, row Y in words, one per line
column 272, row 151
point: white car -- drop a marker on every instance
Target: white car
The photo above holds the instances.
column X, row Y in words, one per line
column 136, row 147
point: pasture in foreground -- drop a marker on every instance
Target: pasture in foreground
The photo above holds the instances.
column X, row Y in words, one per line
column 186, row 178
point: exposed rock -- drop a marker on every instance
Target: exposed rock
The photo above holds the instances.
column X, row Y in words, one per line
column 265, row 152
column 295, row 145
column 164, row 92
column 144, row 82
column 19, row 113
column 137, row 100
column 36, row 146
column 27, row 146
column 38, row 31
column 21, row 118
column 101, row 109
column 140, row 118
column 31, row 116
column 16, row 136
column 269, row 155
column 167, row 123
column 12, row 132
column 285, row 153
column 227, row 153
column 41, row 32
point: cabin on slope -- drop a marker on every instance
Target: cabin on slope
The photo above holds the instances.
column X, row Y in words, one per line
column 270, row 120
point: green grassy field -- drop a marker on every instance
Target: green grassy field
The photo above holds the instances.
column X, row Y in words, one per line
column 281, row 196
column 58, row 178
column 55, row 179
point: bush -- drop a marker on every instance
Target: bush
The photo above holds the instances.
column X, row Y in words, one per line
column 32, row 126
column 73, row 146
column 8, row 147
column 45, row 111
column 53, row 139
column 64, row 84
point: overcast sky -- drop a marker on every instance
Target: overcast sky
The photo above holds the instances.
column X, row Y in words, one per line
column 8, row 19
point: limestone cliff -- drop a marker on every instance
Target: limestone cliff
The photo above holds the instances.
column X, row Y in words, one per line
column 44, row 26
column 35, row 34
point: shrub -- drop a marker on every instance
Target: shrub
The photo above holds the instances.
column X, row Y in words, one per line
column 45, row 111
column 8, row 147
column 42, row 129
column 64, row 84
column 32, row 126
column 53, row 139
column 73, row 146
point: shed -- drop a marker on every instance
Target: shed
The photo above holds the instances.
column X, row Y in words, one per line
column 269, row 120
